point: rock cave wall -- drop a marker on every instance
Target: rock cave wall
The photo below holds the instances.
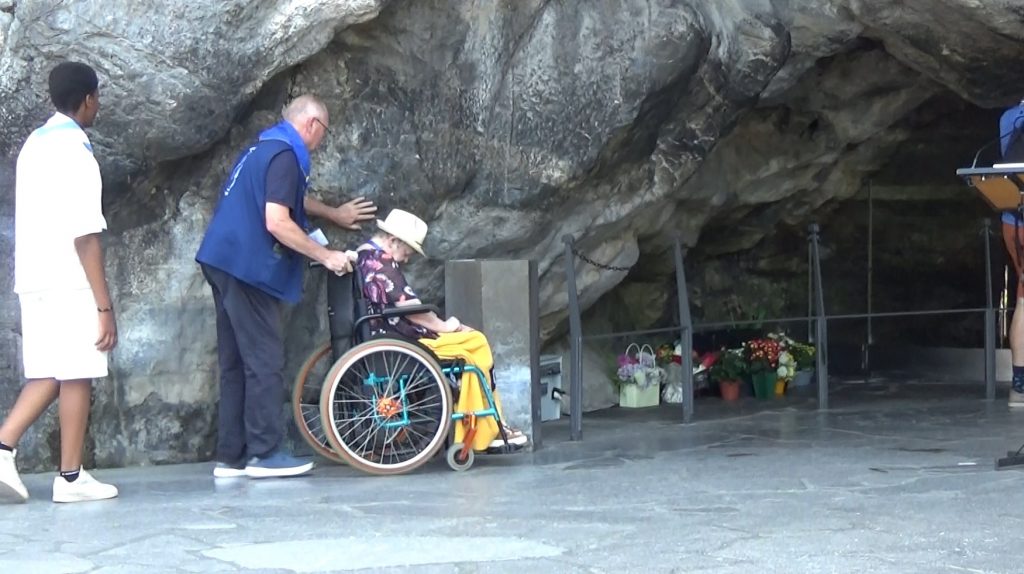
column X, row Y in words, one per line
column 506, row 125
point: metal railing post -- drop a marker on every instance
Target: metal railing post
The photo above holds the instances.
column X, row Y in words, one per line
column 686, row 331
column 820, row 327
column 990, row 317
column 575, row 346
column 810, row 294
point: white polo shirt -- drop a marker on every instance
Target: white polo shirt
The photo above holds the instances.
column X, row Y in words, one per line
column 58, row 198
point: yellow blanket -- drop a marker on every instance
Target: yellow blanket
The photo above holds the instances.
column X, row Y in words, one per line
column 471, row 346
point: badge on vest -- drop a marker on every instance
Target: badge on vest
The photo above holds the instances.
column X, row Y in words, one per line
column 319, row 237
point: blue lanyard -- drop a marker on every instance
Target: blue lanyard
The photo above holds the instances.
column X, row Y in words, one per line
column 375, row 245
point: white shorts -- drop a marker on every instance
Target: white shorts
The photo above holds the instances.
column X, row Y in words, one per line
column 58, row 336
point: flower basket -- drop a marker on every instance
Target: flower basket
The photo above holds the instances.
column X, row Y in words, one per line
column 635, row 397
column 640, row 377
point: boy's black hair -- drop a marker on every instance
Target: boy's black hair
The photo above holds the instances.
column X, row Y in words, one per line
column 70, row 83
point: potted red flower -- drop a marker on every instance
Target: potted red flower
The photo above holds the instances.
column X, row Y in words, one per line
column 762, row 357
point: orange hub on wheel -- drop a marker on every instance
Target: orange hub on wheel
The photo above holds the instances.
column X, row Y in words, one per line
column 388, row 407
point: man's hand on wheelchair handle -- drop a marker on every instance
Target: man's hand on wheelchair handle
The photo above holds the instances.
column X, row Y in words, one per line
column 338, row 261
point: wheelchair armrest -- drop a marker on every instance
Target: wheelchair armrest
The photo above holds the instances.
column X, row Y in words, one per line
column 397, row 312
column 410, row 310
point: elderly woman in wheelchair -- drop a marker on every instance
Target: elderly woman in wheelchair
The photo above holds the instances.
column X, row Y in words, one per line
column 386, row 405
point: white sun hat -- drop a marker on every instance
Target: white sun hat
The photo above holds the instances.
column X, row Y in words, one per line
column 410, row 229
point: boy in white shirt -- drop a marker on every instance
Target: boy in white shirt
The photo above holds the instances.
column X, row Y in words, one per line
column 67, row 319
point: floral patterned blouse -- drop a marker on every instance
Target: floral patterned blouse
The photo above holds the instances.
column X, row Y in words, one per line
column 384, row 286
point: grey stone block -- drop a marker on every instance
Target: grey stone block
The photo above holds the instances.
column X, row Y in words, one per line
column 494, row 297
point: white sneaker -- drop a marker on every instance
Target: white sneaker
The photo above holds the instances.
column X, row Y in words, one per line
column 81, row 490
column 11, row 487
column 222, row 470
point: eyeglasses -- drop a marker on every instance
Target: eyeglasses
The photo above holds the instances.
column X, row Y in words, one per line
column 319, row 121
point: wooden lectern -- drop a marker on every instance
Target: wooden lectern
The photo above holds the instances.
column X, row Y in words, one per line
column 1002, row 186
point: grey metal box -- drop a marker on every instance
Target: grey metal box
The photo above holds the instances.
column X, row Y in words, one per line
column 551, row 387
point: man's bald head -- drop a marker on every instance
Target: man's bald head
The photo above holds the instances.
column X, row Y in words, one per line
column 303, row 107
column 308, row 115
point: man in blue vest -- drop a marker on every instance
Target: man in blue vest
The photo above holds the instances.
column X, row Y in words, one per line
column 252, row 256
column 1011, row 144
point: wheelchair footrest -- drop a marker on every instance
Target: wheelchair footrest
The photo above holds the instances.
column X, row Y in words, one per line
column 506, row 449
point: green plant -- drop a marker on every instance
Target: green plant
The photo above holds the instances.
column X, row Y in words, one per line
column 803, row 354
column 731, row 366
column 756, row 314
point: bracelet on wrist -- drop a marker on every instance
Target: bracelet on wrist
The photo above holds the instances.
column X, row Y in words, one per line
column 105, row 309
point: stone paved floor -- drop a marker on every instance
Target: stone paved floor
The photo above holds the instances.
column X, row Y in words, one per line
column 895, row 478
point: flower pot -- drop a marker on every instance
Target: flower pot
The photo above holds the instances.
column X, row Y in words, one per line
column 802, row 378
column 780, row 387
column 730, row 390
column 764, row 384
column 634, row 397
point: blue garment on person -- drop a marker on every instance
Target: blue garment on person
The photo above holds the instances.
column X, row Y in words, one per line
column 1010, row 125
column 1010, row 122
column 237, row 241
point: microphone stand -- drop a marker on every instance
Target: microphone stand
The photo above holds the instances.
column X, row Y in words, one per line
column 1017, row 123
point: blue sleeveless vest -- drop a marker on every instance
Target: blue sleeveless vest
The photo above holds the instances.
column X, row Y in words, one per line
column 237, row 241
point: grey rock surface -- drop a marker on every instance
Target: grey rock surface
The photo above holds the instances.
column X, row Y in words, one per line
column 174, row 74
column 505, row 124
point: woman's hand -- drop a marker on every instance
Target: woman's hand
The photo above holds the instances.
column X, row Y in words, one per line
column 350, row 215
column 452, row 325
column 455, row 326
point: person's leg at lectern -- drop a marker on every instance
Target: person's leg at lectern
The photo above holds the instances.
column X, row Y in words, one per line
column 1017, row 352
column 1013, row 243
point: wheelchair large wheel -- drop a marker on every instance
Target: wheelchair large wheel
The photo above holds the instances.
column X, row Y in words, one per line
column 387, row 406
column 306, row 393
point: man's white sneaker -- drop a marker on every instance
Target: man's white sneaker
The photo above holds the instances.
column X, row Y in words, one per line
column 1016, row 399
column 83, row 489
column 11, row 487
column 223, row 470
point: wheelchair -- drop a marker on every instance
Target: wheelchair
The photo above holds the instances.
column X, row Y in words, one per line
column 387, row 404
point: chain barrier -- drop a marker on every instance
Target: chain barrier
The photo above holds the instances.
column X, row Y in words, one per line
column 586, row 259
